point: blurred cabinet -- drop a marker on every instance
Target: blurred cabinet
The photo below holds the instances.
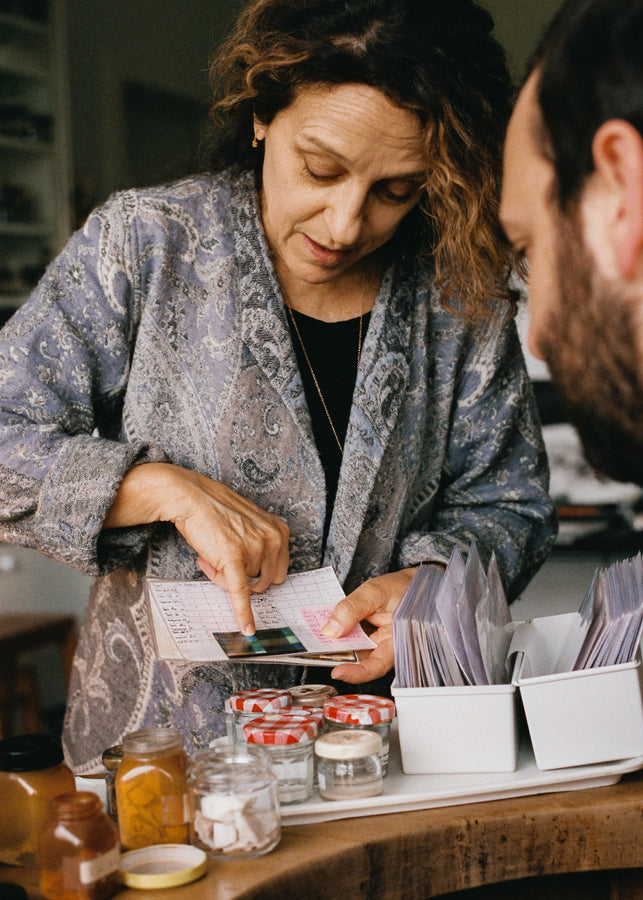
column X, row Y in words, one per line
column 35, row 169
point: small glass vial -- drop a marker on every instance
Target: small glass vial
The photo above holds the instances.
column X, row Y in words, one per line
column 112, row 758
column 244, row 706
column 32, row 772
column 311, row 694
column 364, row 711
column 289, row 742
column 151, row 789
column 349, row 764
column 78, row 848
column 235, row 807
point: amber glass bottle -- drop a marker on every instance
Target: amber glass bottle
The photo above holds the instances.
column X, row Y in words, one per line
column 32, row 772
column 78, row 850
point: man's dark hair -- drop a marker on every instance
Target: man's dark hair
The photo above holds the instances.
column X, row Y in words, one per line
column 591, row 63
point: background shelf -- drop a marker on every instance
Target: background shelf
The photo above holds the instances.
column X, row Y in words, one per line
column 35, row 170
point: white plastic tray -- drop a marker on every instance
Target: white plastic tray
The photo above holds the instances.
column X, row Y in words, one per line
column 407, row 792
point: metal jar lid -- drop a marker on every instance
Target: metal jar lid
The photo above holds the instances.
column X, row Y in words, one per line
column 162, row 866
column 112, row 757
column 311, row 694
column 30, row 752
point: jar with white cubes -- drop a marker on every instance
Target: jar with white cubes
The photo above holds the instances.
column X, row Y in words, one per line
column 235, row 807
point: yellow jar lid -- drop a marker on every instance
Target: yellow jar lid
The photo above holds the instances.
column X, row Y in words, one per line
column 163, row 865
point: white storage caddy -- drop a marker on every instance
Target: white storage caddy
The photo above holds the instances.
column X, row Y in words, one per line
column 457, row 729
column 573, row 718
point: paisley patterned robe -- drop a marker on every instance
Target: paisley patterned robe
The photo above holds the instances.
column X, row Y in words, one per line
column 159, row 333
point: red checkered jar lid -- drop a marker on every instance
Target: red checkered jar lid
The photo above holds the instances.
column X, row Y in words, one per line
column 359, row 709
column 316, row 713
column 277, row 730
column 259, row 700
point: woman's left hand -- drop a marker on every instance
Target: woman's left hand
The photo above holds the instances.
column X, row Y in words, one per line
column 375, row 601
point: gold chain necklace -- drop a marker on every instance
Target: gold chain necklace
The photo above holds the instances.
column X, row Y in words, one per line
column 314, row 377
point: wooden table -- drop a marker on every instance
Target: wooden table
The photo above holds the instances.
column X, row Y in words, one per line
column 20, row 633
column 423, row 854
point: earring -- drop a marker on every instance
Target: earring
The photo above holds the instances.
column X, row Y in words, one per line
column 254, row 142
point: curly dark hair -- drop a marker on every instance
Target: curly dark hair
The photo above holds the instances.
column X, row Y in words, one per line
column 436, row 58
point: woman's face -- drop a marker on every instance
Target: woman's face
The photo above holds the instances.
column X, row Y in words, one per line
column 342, row 167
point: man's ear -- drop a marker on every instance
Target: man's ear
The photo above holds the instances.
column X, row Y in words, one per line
column 618, row 158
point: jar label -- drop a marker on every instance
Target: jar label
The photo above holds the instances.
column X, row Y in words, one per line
column 99, row 867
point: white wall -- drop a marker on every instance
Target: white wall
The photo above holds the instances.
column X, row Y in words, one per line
column 30, row 582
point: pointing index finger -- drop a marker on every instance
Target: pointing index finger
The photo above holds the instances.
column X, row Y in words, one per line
column 233, row 579
column 239, row 590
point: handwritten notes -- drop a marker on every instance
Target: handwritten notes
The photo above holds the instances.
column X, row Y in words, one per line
column 191, row 612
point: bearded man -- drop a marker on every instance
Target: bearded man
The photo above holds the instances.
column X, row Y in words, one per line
column 572, row 206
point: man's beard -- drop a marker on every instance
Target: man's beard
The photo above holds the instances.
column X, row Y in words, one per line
column 590, row 346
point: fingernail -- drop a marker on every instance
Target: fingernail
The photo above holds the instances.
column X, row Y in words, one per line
column 248, row 630
column 332, row 628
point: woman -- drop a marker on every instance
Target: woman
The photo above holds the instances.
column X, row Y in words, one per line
column 289, row 361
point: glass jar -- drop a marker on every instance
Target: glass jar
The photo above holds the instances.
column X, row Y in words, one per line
column 78, row 850
column 311, row 694
column 349, row 765
column 112, row 758
column 151, row 790
column 365, row 711
column 316, row 714
column 244, row 706
column 235, row 807
column 32, row 772
column 289, row 742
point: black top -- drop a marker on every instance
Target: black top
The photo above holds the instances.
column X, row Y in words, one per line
column 332, row 349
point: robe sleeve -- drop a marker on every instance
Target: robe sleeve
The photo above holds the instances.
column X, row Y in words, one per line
column 64, row 365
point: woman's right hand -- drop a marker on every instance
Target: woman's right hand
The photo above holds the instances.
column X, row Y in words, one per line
column 235, row 540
